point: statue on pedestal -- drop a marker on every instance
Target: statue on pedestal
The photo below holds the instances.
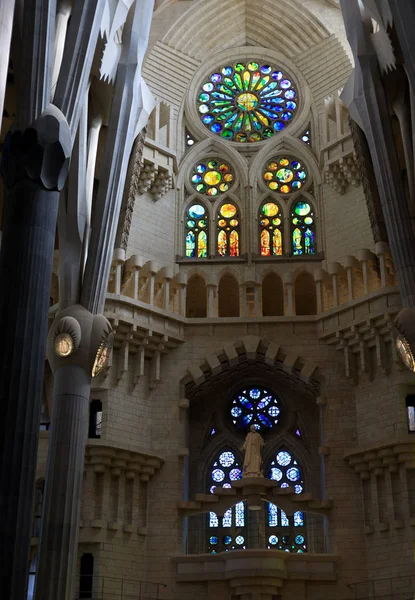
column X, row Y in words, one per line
column 253, row 461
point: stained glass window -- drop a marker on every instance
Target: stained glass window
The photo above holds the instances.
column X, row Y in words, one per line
column 302, row 229
column 270, row 227
column 306, row 137
column 212, row 177
column 286, row 532
column 226, row 532
column 247, row 102
column 255, row 406
column 228, row 240
column 284, row 175
column 196, row 237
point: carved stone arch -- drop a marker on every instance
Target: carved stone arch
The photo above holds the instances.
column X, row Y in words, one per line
column 297, row 449
column 303, row 372
column 268, row 270
column 229, row 270
column 285, row 144
column 225, row 438
column 197, row 270
column 233, row 55
column 214, row 147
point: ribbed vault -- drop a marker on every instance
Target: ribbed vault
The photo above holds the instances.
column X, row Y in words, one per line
column 284, row 26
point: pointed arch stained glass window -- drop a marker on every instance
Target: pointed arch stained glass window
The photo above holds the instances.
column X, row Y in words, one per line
column 286, row 532
column 247, row 102
column 196, row 237
column 270, row 224
column 226, row 532
column 302, row 229
column 228, row 239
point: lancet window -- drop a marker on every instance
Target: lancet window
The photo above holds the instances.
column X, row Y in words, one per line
column 285, row 532
column 270, row 230
column 228, row 230
column 302, row 229
column 196, row 235
column 227, row 532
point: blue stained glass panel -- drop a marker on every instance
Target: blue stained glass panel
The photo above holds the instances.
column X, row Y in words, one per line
column 213, row 520
column 227, row 518
column 272, row 515
column 240, row 514
column 298, row 519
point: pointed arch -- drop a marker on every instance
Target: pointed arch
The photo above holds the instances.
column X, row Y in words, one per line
column 196, row 297
column 305, row 294
column 228, row 293
column 272, row 296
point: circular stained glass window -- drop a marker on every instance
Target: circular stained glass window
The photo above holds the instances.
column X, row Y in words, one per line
column 239, row 540
column 247, row 102
column 283, row 458
column 212, row 177
column 284, row 175
column 213, row 540
column 226, row 459
column 255, row 406
column 227, row 540
column 273, row 540
column 235, row 474
column 218, row 475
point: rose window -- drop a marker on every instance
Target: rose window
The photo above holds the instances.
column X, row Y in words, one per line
column 212, row 177
column 247, row 102
column 257, row 407
column 284, row 175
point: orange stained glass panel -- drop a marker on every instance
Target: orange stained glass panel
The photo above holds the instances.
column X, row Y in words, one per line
column 234, row 243
column 265, row 247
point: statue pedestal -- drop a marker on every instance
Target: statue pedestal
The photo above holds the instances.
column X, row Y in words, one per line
column 255, row 490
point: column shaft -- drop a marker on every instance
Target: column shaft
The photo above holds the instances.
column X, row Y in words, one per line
column 64, row 473
column 26, row 261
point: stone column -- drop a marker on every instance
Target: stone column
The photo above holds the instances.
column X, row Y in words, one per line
column 118, row 260
column 333, row 269
column 319, row 275
column 382, row 249
column 58, row 551
column 34, row 167
column 76, row 344
column 134, row 264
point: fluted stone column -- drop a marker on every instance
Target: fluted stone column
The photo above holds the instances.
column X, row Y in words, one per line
column 34, row 167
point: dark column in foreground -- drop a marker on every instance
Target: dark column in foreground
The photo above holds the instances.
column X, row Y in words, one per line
column 34, row 168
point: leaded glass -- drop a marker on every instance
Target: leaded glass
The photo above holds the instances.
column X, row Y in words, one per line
column 247, row 102
column 306, row 137
column 228, row 230
column 225, row 469
column 195, row 232
column 303, row 231
column 270, row 229
column 284, row 175
column 285, row 469
column 212, row 177
column 255, row 406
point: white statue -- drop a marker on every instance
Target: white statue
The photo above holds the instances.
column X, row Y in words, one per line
column 253, row 461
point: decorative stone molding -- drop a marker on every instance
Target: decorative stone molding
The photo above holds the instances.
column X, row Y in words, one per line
column 254, row 489
column 258, row 573
column 128, row 210
column 115, row 494
column 385, row 456
column 342, row 172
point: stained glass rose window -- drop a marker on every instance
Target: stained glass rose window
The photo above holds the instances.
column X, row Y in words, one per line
column 212, row 177
column 255, row 406
column 247, row 102
column 285, row 175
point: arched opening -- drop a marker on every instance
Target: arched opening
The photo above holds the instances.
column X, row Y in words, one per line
column 196, row 298
column 228, row 296
column 305, row 295
column 272, row 296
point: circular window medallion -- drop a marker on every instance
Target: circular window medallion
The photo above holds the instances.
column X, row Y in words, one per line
column 247, row 102
column 284, row 175
column 212, row 177
column 255, row 406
